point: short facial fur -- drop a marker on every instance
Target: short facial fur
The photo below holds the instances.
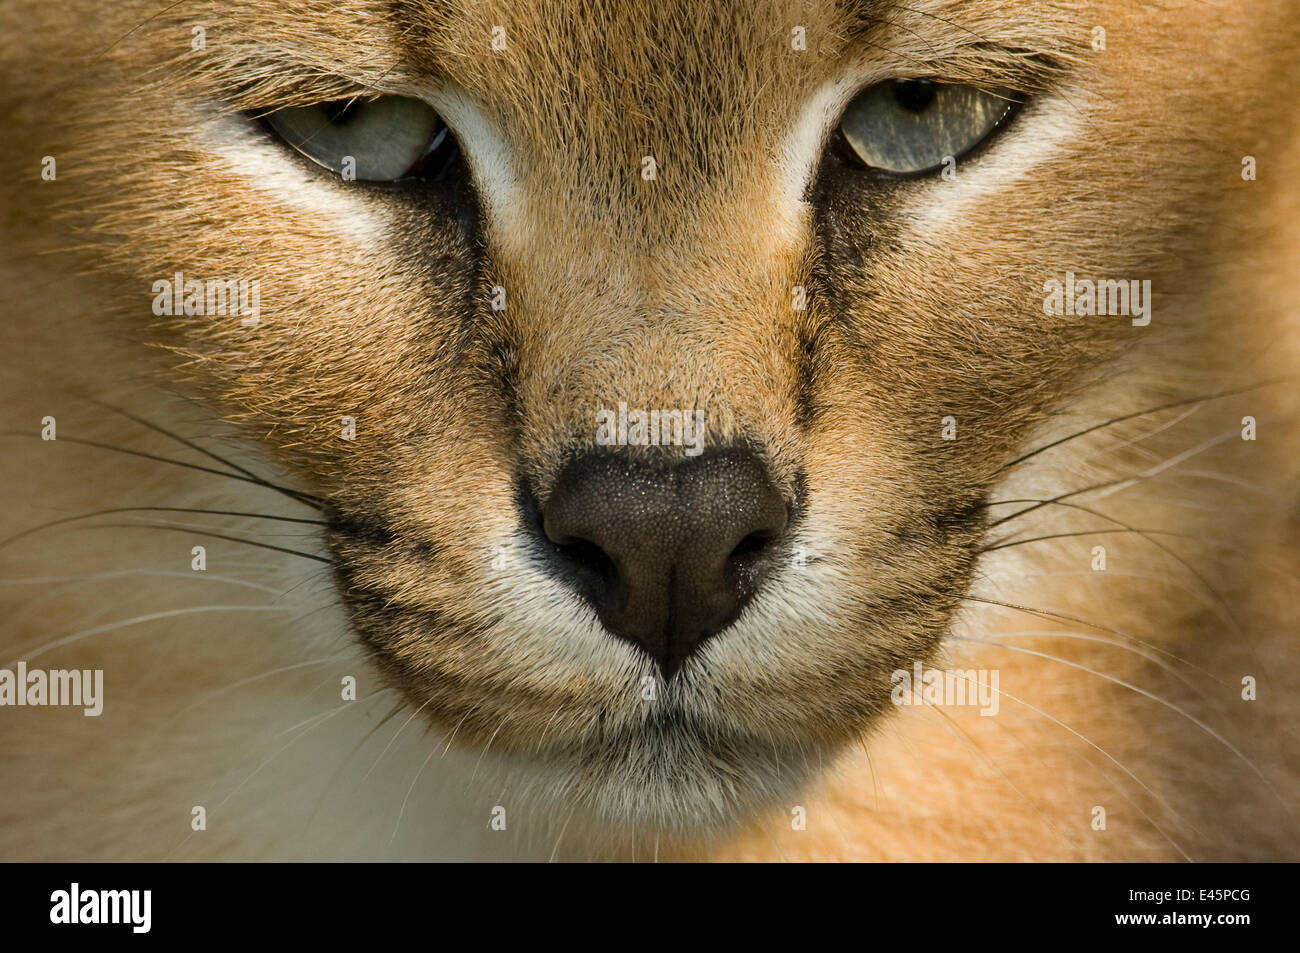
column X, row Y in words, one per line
column 923, row 303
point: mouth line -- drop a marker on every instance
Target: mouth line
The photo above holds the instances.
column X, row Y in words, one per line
column 670, row 724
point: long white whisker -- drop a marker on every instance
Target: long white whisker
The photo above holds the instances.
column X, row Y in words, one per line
column 396, row 735
column 204, row 699
column 124, row 623
column 414, row 781
column 1109, row 757
column 1173, row 461
column 1141, row 691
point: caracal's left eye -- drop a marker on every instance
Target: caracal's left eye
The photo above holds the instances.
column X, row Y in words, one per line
column 913, row 125
column 387, row 139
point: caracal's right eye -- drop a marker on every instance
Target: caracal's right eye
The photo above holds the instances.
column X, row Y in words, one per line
column 385, row 139
column 910, row 127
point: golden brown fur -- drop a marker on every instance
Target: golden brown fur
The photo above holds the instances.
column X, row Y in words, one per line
column 1122, row 688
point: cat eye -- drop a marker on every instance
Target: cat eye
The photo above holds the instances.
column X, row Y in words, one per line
column 386, row 139
column 914, row 125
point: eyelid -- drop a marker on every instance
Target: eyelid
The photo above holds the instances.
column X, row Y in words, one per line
column 280, row 83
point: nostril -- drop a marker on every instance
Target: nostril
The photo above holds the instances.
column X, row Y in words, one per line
column 751, row 545
column 586, row 555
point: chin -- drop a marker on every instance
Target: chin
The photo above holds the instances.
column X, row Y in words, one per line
column 668, row 780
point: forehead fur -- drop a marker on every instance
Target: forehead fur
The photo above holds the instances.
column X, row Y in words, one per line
column 662, row 292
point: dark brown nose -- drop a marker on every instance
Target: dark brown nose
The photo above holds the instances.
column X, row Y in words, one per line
column 667, row 550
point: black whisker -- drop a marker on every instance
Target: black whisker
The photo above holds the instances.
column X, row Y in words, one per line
column 1043, row 613
column 154, row 509
column 1086, row 532
column 1196, row 573
column 210, row 454
column 1065, row 496
column 1139, row 413
column 1146, row 694
column 211, row 535
column 304, row 498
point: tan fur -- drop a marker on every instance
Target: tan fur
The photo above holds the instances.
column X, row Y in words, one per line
column 924, row 302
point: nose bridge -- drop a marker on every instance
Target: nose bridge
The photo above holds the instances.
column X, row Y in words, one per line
column 688, row 353
column 676, row 307
column 663, row 320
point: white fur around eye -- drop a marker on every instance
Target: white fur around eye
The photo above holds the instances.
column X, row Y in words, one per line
column 806, row 141
column 491, row 163
column 1041, row 131
column 267, row 167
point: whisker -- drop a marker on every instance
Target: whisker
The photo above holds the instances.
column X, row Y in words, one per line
column 452, row 736
column 1222, row 602
column 109, row 627
column 1053, row 502
column 776, row 844
column 119, row 573
column 1063, row 617
column 302, row 497
column 1119, row 483
column 1098, row 769
column 1108, row 756
column 334, row 775
column 1139, row 413
column 1173, row 461
column 212, row 535
column 396, row 735
column 204, row 699
column 875, row 789
column 546, row 729
column 319, row 719
column 1141, row 691
column 1086, row 532
column 483, row 753
column 560, row 837
column 311, row 577
column 965, row 737
column 414, row 781
column 155, row 509
column 1207, row 597
column 1149, row 656
column 1272, row 495
column 1145, row 435
column 98, row 445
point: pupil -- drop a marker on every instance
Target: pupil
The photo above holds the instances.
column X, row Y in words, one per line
column 915, row 95
column 340, row 111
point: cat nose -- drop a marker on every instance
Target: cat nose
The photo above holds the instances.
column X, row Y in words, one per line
column 667, row 550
